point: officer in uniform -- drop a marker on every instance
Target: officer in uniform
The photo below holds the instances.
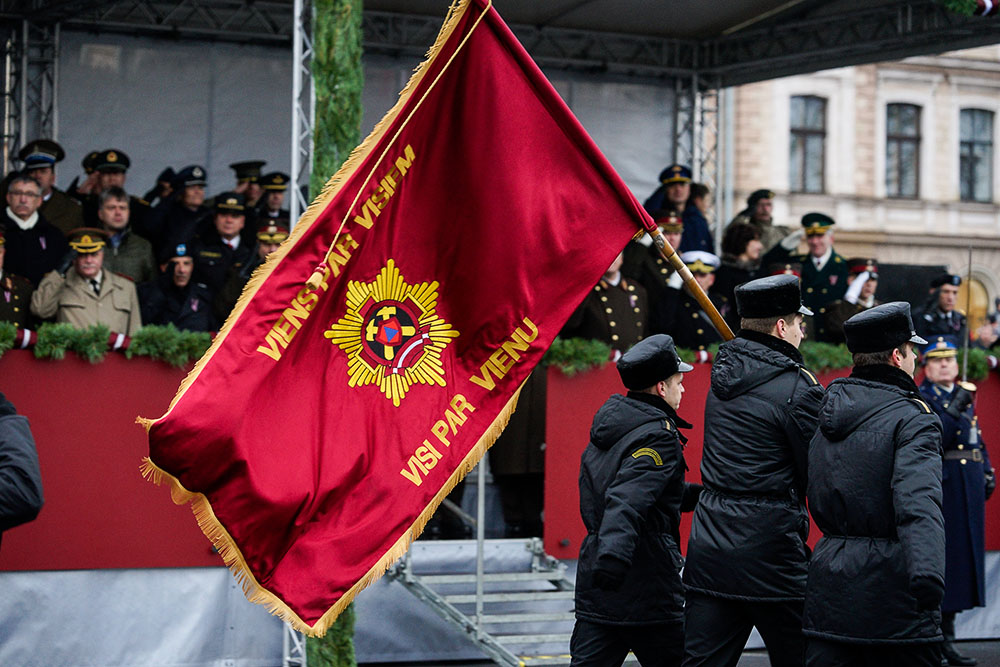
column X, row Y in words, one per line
column 184, row 215
column 163, row 188
column 80, row 191
column 940, row 317
column 615, row 312
column 174, row 298
column 674, row 195
column 967, row 481
column 221, row 248
column 759, row 210
column 112, row 166
column 876, row 579
column 248, row 181
column 679, row 313
column 862, row 281
column 747, row 554
column 268, row 240
column 642, row 262
column 824, row 272
column 15, row 307
column 39, row 158
column 271, row 205
column 632, row 492
column 87, row 294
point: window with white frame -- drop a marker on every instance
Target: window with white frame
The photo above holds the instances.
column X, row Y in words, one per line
column 975, row 155
column 808, row 143
column 902, row 150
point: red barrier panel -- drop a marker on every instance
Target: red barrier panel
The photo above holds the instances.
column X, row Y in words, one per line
column 99, row 512
column 572, row 402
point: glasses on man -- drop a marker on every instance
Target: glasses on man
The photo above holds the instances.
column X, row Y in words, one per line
column 23, row 193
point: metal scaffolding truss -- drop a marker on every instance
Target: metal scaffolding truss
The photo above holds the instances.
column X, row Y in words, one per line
column 31, row 55
column 303, row 108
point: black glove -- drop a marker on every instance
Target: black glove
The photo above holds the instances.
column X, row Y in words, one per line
column 692, row 492
column 67, row 261
column 6, row 407
column 991, row 483
column 928, row 591
column 609, row 575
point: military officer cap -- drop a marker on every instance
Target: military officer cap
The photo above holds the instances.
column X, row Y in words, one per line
column 699, row 261
column 817, row 223
column 166, row 176
column 275, row 181
column 272, row 233
column 757, row 195
column 111, row 160
column 41, row 153
column 230, row 202
column 946, row 279
column 857, row 265
column 675, row 173
column 881, row 328
column 86, row 240
column 940, row 348
column 248, row 171
column 89, row 162
column 190, row 175
column 772, row 296
column 649, row 361
column 669, row 221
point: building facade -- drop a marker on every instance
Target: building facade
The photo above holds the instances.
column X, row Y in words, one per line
column 901, row 154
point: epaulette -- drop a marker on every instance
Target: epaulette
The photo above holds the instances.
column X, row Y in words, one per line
column 922, row 404
column 141, row 201
column 837, row 259
column 809, row 375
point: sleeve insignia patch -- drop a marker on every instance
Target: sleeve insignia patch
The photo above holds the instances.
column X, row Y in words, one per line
column 651, row 453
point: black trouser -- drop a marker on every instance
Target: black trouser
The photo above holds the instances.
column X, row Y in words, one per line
column 822, row 653
column 716, row 630
column 599, row 645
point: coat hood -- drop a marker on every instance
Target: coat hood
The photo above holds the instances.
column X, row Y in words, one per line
column 621, row 414
column 750, row 360
column 853, row 400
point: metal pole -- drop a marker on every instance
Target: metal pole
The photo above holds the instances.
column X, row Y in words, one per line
column 968, row 324
column 293, row 204
column 480, row 541
column 729, row 159
column 55, row 82
column 23, row 124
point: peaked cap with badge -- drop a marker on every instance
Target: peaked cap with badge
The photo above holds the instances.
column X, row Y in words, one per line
column 40, row 153
column 111, row 160
column 87, row 240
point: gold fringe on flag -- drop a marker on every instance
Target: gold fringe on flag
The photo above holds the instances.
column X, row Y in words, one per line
column 205, row 516
column 255, row 592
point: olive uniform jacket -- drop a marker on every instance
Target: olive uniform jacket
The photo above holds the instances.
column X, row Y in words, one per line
column 71, row 299
column 62, row 211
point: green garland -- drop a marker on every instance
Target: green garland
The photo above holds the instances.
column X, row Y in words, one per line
column 336, row 647
column 575, row 355
column 167, row 343
column 963, row 7
column 823, row 357
column 8, row 331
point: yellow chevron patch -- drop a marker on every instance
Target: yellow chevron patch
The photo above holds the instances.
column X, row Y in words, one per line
column 651, row 453
column 809, row 375
column 921, row 404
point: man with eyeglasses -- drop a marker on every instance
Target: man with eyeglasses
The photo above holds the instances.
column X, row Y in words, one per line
column 34, row 246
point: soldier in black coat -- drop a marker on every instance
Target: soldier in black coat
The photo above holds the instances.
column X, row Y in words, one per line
column 642, row 262
column 20, row 477
column 632, row 493
column 876, row 579
column 174, row 298
column 747, row 555
column 614, row 312
column 940, row 317
column 223, row 247
column 15, row 294
column 679, row 314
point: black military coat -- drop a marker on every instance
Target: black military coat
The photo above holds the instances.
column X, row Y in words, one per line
column 616, row 314
column 213, row 259
column 15, row 299
column 188, row 308
column 934, row 322
column 34, row 252
column 679, row 314
column 748, row 537
column 875, row 492
column 644, row 265
column 632, row 492
column 728, row 277
column 21, row 492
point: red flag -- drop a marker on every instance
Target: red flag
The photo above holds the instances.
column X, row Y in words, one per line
column 323, row 427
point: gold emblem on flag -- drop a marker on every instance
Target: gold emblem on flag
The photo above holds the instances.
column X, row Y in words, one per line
column 392, row 334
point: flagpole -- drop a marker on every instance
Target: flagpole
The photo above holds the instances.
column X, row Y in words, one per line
column 669, row 254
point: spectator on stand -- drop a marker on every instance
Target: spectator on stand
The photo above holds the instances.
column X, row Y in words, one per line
column 34, row 246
